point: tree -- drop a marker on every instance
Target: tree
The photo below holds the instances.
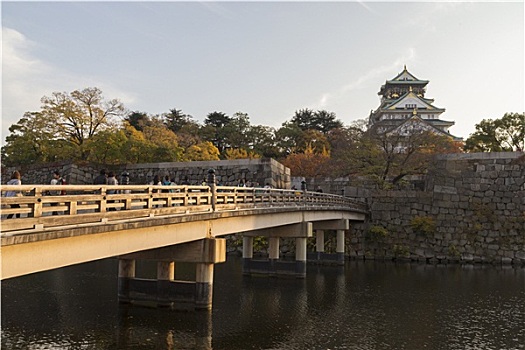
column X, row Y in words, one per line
column 314, row 140
column 345, row 145
column 30, row 141
column 323, row 121
column 288, row 138
column 239, row 153
column 164, row 144
column 202, row 151
column 108, row 147
column 237, row 132
column 326, row 121
column 138, row 120
column 499, row 135
column 80, row 115
column 263, row 141
column 308, row 163
column 176, row 120
column 418, row 149
column 215, row 130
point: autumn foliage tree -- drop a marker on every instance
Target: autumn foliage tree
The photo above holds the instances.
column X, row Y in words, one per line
column 308, row 163
column 80, row 115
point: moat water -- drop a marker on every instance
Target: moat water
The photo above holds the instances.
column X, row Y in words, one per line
column 365, row 305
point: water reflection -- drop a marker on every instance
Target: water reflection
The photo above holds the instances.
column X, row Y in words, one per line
column 366, row 305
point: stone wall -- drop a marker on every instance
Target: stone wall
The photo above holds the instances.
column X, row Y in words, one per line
column 255, row 172
column 472, row 210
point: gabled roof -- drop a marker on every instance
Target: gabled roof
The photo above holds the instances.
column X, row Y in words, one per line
column 412, row 99
column 406, row 76
column 408, row 125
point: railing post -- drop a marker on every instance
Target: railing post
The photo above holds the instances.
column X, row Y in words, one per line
column 212, row 184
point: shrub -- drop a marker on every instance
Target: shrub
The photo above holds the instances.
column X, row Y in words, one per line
column 376, row 233
column 423, row 225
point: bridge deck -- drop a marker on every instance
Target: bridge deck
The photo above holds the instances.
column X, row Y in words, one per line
column 40, row 209
column 93, row 223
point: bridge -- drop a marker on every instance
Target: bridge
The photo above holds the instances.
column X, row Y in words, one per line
column 49, row 227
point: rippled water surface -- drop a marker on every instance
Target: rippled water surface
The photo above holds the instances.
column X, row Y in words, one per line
column 365, row 305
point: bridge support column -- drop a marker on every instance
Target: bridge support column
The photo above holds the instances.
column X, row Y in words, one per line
column 273, row 250
column 319, row 244
column 126, row 273
column 165, row 291
column 247, row 254
column 300, row 257
column 204, row 286
column 340, row 250
column 165, row 275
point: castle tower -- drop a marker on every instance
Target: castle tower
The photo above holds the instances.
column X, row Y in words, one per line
column 403, row 101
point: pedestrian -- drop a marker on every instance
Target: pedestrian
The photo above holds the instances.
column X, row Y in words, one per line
column 319, row 189
column 112, row 180
column 124, row 180
column 102, row 178
column 15, row 180
column 166, row 182
column 186, row 181
column 55, row 181
column 156, row 181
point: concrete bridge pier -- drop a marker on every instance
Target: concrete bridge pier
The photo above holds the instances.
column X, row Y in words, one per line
column 247, row 254
column 273, row 255
column 204, row 286
column 126, row 273
column 300, row 257
column 165, row 291
column 319, row 244
column 165, row 275
column 320, row 257
column 274, row 266
column 340, row 250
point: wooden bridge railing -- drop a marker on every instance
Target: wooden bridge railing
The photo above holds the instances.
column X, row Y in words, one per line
column 48, row 206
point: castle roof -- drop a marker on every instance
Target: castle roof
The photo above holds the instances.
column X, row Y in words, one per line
column 405, row 78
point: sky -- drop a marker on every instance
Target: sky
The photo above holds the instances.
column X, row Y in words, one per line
column 266, row 59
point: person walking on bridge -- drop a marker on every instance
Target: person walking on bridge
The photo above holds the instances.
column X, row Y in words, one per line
column 112, row 180
column 56, row 180
column 15, row 180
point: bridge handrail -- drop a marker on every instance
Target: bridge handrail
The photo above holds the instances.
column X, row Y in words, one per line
column 44, row 206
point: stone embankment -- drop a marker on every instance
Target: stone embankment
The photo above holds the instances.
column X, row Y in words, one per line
column 253, row 172
column 472, row 210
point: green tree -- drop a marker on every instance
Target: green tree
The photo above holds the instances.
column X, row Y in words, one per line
column 237, row 132
column 323, row 121
column 288, row 138
column 500, row 135
column 176, row 120
column 215, row 130
column 263, row 141
column 30, row 141
column 80, row 115
column 108, row 147
column 138, row 120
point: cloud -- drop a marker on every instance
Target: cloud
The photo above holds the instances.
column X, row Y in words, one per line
column 25, row 79
column 22, row 85
column 332, row 97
